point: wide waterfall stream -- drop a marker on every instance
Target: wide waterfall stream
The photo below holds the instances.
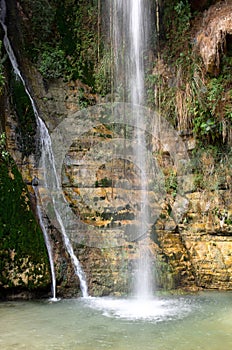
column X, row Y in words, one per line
column 192, row 322
column 129, row 31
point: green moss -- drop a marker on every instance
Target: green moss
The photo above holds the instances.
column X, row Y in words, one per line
column 20, row 234
column 104, row 183
column 26, row 118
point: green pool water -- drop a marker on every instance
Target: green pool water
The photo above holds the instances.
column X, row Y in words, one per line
column 191, row 322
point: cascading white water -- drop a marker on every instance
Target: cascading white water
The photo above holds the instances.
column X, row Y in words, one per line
column 48, row 166
column 129, row 37
column 47, row 242
column 77, row 267
column 51, row 180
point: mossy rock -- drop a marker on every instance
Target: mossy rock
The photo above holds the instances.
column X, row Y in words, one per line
column 23, row 255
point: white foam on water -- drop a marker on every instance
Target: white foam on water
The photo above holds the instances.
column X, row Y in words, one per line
column 136, row 309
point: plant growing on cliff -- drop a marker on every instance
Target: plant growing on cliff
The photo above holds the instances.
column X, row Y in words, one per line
column 38, row 23
column 62, row 37
column 171, row 183
column 190, row 99
column 3, row 151
column 212, row 119
column 176, row 24
column 103, row 74
column 212, row 163
column 52, row 63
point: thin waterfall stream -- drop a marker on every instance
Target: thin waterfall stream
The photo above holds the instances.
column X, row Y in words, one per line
column 46, row 158
column 50, row 179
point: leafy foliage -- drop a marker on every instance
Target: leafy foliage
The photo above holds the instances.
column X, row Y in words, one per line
column 3, row 151
column 63, row 38
column 179, row 87
column 176, row 24
column 38, row 23
column 213, row 117
column 171, row 183
column 52, row 63
column 103, row 74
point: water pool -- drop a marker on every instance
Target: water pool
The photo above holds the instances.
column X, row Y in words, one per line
column 191, row 322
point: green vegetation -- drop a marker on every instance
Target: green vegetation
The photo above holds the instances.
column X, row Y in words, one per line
column 212, row 111
column 52, row 63
column 171, row 183
column 4, row 154
column 20, row 234
column 104, row 183
column 174, row 64
column 26, row 118
column 64, row 38
column 103, row 74
column 176, row 24
column 18, row 228
column 194, row 101
column 191, row 99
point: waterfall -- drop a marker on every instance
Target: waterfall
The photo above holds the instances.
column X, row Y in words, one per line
column 47, row 243
column 48, row 164
column 129, row 34
column 51, row 181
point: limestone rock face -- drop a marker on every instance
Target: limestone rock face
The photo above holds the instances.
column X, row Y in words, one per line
column 192, row 253
column 211, row 258
column 208, row 239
